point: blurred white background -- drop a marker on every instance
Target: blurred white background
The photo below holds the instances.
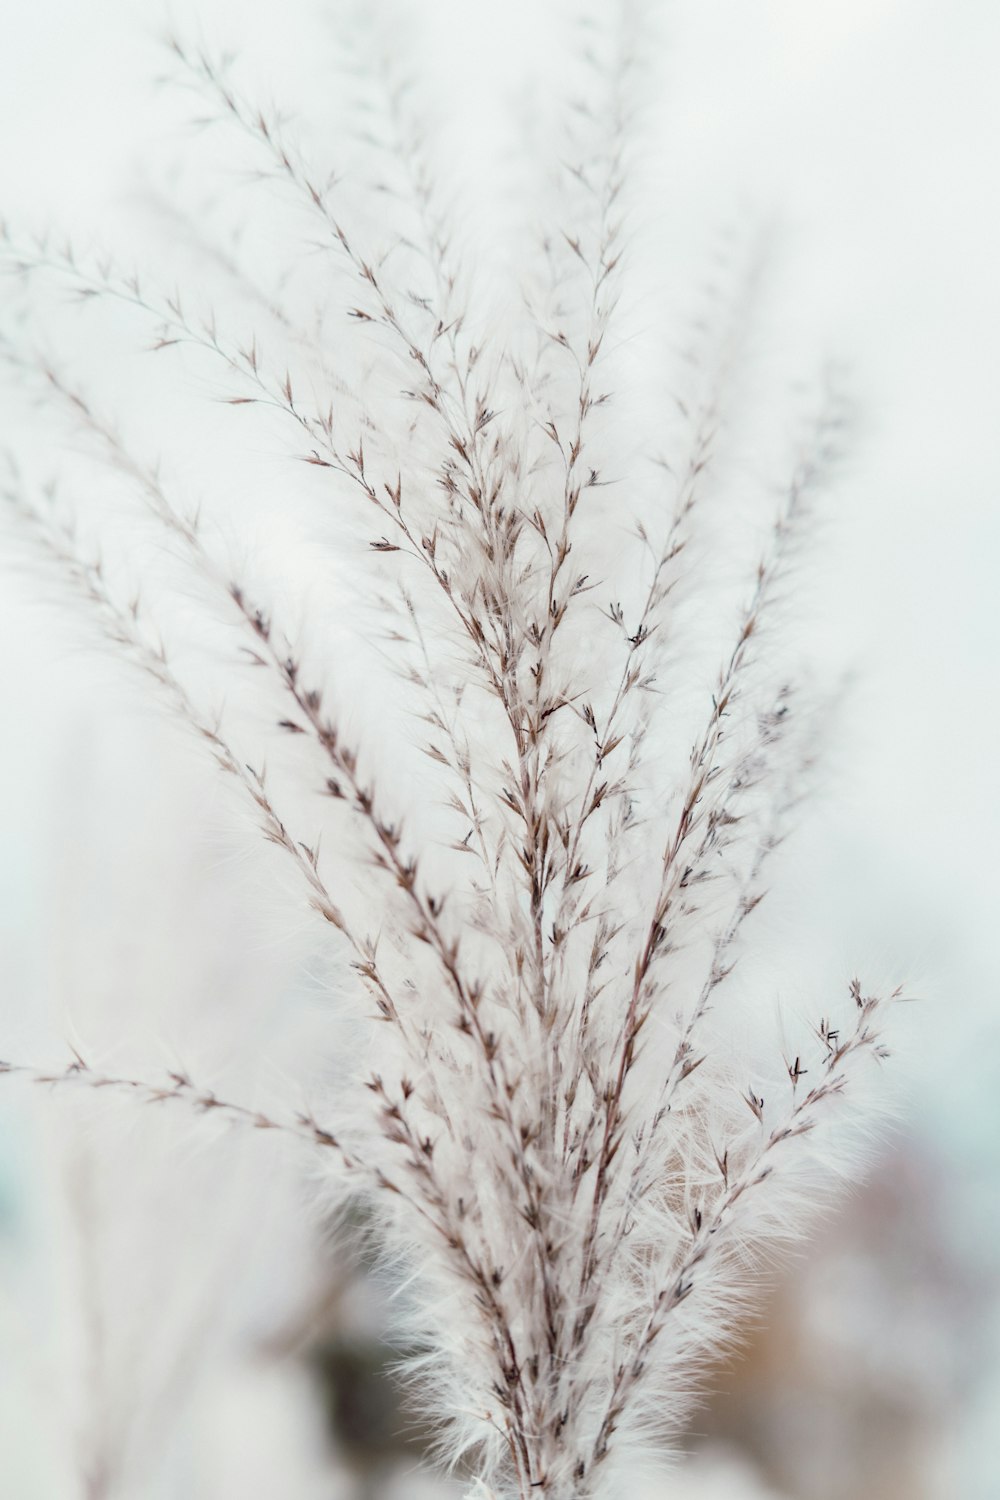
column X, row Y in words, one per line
column 871, row 129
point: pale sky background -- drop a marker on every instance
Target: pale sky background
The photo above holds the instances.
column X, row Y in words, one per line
column 873, row 127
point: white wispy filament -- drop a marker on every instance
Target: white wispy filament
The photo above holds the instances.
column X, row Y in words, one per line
column 562, row 1137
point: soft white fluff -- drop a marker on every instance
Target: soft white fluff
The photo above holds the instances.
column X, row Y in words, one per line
column 491, row 753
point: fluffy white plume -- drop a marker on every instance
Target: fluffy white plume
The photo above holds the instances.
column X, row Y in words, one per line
column 479, row 674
